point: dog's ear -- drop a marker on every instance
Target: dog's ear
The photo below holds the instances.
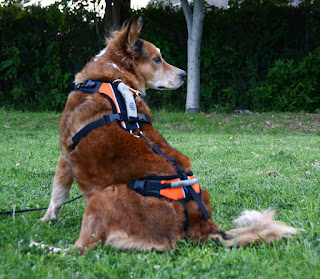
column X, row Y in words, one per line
column 133, row 31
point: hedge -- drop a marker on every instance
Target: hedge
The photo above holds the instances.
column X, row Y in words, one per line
column 256, row 56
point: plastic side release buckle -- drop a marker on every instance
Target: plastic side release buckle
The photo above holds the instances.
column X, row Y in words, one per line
column 137, row 184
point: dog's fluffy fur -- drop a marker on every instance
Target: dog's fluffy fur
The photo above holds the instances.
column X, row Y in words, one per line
column 108, row 158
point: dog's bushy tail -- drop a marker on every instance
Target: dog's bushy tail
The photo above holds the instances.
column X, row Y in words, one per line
column 258, row 227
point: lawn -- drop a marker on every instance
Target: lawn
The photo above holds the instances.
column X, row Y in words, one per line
column 231, row 155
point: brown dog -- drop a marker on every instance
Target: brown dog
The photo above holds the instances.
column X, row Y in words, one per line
column 108, row 158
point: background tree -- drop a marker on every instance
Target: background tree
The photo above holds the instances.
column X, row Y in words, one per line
column 262, row 57
column 116, row 12
column 194, row 23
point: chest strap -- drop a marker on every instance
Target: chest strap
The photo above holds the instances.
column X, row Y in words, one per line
column 108, row 118
column 123, row 105
column 171, row 187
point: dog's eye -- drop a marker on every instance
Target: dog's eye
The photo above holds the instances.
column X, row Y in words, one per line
column 157, row 59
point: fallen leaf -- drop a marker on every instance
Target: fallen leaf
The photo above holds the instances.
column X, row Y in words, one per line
column 269, row 172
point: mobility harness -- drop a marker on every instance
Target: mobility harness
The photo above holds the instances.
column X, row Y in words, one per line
column 181, row 187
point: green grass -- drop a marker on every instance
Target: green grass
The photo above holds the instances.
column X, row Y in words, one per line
column 230, row 155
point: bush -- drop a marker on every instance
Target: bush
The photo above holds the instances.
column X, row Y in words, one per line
column 42, row 49
column 254, row 55
column 290, row 86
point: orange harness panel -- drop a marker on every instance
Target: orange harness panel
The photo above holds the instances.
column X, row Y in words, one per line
column 177, row 193
column 106, row 89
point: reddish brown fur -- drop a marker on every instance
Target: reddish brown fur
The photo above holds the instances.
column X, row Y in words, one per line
column 108, row 158
column 147, row 222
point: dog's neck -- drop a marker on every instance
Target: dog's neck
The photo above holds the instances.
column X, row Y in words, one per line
column 103, row 69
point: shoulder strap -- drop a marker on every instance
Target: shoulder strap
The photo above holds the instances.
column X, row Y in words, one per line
column 108, row 118
column 93, row 125
column 119, row 108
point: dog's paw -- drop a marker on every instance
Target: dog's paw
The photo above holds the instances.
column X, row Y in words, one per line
column 49, row 216
column 42, row 246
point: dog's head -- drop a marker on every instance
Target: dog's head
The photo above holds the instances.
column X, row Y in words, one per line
column 127, row 56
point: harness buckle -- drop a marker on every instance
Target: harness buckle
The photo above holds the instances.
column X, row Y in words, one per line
column 135, row 91
column 106, row 118
column 77, row 86
column 112, row 117
column 89, row 83
column 136, row 184
column 133, row 119
column 144, row 118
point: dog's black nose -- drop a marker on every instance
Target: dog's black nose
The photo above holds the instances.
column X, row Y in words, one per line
column 183, row 74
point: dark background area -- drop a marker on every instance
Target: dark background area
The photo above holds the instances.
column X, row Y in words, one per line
column 256, row 55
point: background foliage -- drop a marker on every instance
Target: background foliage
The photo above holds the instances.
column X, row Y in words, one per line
column 256, row 55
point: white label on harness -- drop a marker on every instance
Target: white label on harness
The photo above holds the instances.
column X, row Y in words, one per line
column 129, row 100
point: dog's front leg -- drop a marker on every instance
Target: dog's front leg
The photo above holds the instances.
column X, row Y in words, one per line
column 60, row 188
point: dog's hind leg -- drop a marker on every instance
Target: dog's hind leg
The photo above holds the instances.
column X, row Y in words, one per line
column 124, row 219
column 60, row 188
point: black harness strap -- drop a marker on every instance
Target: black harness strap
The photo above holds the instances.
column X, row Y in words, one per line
column 93, row 125
column 158, row 151
column 89, row 86
column 186, row 215
column 108, row 118
column 198, row 200
column 182, row 174
column 118, row 107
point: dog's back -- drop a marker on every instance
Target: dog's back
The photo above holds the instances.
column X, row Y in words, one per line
column 99, row 158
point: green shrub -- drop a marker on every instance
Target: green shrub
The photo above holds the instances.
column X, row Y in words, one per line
column 290, row 86
column 42, row 49
column 244, row 51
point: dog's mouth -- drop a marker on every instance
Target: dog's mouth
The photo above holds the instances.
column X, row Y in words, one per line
column 170, row 87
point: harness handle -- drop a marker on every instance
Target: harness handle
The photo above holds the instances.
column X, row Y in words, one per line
column 184, row 183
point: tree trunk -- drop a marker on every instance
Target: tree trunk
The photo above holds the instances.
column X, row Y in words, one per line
column 116, row 14
column 124, row 10
column 113, row 11
column 194, row 24
column 108, row 17
column 96, row 24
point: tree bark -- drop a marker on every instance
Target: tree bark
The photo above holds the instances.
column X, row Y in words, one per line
column 108, row 17
column 188, row 15
column 96, row 23
column 114, row 10
column 116, row 14
column 195, row 25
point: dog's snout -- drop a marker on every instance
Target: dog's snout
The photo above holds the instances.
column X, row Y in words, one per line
column 183, row 74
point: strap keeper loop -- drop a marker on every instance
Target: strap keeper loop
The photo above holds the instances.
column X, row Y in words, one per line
column 106, row 118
